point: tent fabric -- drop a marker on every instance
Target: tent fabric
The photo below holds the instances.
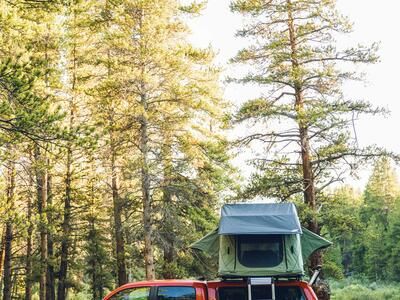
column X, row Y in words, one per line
column 294, row 257
column 311, row 242
column 230, row 266
column 209, row 244
column 268, row 218
column 241, row 220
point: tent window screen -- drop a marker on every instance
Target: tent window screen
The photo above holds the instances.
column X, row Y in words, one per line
column 255, row 251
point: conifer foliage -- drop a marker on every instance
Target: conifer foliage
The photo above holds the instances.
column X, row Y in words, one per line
column 112, row 147
column 308, row 139
column 365, row 227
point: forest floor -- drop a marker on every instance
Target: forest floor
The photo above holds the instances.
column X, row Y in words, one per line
column 359, row 289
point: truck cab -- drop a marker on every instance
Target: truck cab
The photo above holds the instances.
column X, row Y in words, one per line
column 161, row 290
column 210, row 290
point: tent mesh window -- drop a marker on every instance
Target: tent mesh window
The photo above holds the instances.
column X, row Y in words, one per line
column 260, row 251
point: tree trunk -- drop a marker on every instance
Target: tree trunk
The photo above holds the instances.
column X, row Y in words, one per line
column 28, row 257
column 66, row 226
column 118, row 209
column 63, row 273
column 117, row 203
column 168, row 220
column 168, row 238
column 93, row 261
column 7, row 262
column 50, row 251
column 2, row 247
column 302, row 122
column 145, row 172
column 169, row 258
column 146, row 198
column 41, row 188
column 9, row 233
column 308, row 176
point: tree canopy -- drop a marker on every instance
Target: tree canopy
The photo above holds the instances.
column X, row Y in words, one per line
column 114, row 143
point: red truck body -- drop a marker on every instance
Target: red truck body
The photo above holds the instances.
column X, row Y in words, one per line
column 207, row 290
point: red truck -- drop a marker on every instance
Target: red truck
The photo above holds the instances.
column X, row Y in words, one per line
column 211, row 290
column 253, row 240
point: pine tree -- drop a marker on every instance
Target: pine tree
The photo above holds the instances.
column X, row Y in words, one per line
column 157, row 100
column 108, row 109
column 9, row 234
column 393, row 247
column 309, row 121
column 43, row 44
column 77, row 70
column 157, row 153
column 380, row 204
column 25, row 110
column 381, row 192
column 96, row 234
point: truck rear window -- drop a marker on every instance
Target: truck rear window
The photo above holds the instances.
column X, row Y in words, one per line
column 176, row 293
column 261, row 293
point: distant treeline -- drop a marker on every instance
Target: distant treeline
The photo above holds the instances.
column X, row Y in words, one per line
column 365, row 228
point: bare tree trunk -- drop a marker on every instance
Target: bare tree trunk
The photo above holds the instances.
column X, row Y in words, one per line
column 168, row 239
column 117, row 201
column 41, row 188
column 9, row 233
column 2, row 247
column 28, row 257
column 93, row 262
column 168, row 219
column 168, row 236
column 62, row 288
column 169, row 258
column 146, row 198
column 50, row 251
column 7, row 262
column 118, row 210
column 145, row 172
column 63, row 273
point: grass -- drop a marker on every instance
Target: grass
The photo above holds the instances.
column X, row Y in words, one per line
column 361, row 289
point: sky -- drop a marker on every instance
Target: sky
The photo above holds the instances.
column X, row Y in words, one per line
column 374, row 21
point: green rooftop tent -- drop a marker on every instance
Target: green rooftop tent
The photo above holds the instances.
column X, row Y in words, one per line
column 260, row 240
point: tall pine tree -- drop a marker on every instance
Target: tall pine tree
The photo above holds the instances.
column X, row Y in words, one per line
column 308, row 142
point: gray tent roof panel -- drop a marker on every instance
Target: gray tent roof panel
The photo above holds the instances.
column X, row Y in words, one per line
column 268, row 218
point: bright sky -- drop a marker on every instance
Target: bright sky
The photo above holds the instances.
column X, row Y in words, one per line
column 373, row 22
